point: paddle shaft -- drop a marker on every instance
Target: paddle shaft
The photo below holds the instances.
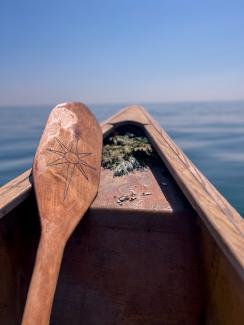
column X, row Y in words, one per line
column 43, row 282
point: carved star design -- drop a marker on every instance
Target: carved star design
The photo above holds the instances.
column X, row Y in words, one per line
column 72, row 159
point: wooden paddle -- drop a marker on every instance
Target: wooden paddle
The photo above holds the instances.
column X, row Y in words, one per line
column 66, row 173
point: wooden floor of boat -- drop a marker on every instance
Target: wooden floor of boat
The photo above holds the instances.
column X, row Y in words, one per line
column 151, row 189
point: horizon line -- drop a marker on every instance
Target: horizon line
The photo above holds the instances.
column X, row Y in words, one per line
column 126, row 102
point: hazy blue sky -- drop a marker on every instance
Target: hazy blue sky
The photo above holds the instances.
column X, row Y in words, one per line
column 120, row 51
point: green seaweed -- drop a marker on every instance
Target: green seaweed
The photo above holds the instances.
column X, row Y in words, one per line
column 126, row 153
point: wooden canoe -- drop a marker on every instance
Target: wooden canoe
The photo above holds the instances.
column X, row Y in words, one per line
column 175, row 255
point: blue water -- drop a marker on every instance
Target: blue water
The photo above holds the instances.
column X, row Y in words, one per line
column 211, row 134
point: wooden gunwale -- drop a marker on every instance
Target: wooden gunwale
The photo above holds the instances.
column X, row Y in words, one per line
column 221, row 219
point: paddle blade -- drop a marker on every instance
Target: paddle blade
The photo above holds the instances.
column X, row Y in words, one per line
column 66, row 168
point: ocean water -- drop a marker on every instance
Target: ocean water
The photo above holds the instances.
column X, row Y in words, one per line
column 210, row 133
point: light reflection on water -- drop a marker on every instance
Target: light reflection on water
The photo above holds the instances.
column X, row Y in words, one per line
column 211, row 134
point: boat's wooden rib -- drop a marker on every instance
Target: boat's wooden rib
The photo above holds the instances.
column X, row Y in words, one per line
column 15, row 192
column 221, row 235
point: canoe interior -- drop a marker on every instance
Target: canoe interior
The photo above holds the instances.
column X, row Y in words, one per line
column 148, row 261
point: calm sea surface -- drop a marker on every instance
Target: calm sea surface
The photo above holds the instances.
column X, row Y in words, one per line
column 211, row 134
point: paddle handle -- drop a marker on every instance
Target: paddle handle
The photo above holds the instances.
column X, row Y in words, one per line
column 43, row 282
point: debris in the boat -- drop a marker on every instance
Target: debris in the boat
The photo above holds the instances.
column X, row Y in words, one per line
column 125, row 197
column 146, row 193
column 132, row 192
column 126, row 153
